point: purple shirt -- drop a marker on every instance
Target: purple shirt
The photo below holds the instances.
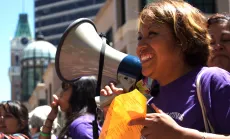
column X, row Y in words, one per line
column 82, row 127
column 179, row 99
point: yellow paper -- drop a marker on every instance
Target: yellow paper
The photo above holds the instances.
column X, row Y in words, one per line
column 123, row 108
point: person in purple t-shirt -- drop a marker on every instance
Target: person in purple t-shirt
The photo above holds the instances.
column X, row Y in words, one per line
column 173, row 47
column 219, row 29
column 77, row 101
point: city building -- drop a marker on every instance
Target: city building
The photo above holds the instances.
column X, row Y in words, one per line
column 52, row 17
column 35, row 60
column 118, row 19
column 43, row 92
column 211, row 6
column 21, row 38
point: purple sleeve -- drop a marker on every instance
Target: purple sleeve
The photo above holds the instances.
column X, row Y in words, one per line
column 81, row 131
column 216, row 95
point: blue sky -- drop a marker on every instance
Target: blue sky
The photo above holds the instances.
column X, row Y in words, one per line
column 9, row 14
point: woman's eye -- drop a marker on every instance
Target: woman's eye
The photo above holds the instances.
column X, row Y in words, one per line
column 152, row 33
column 212, row 42
column 225, row 40
column 8, row 116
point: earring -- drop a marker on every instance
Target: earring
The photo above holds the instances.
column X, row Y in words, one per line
column 1, row 118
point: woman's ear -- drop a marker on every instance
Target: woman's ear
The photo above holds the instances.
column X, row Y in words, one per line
column 22, row 124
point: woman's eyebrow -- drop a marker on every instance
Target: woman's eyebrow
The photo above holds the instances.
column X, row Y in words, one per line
column 155, row 26
column 226, row 32
column 151, row 27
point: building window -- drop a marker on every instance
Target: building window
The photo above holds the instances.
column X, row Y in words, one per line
column 51, row 94
column 46, row 93
column 42, row 102
column 109, row 37
column 206, row 6
column 17, row 93
column 144, row 2
column 120, row 13
column 17, row 60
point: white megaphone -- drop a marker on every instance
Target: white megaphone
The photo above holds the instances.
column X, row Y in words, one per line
column 79, row 54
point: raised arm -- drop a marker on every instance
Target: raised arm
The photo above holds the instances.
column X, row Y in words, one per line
column 47, row 127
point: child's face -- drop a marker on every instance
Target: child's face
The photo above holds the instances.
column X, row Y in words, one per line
column 8, row 122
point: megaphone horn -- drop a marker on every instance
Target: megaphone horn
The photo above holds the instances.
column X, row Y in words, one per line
column 78, row 55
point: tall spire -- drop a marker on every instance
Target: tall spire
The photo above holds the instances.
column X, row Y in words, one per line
column 23, row 6
column 23, row 29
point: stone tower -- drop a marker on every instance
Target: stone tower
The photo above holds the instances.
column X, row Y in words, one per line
column 21, row 38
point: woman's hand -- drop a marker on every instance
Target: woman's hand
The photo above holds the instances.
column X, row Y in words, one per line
column 159, row 126
column 111, row 89
column 54, row 111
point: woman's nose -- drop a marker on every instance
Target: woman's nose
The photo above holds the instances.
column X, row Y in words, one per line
column 218, row 46
column 141, row 41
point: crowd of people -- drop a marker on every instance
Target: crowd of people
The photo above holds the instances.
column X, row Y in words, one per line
column 179, row 49
column 176, row 44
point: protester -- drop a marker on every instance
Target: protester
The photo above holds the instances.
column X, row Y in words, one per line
column 37, row 118
column 219, row 28
column 173, row 47
column 13, row 120
column 77, row 101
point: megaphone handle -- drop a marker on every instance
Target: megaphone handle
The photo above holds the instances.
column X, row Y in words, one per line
column 101, row 64
column 103, row 101
column 95, row 126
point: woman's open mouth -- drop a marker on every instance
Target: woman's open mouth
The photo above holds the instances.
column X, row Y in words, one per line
column 145, row 57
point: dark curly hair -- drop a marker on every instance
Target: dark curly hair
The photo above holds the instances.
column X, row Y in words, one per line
column 20, row 112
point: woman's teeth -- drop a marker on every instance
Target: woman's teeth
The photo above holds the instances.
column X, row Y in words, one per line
column 146, row 57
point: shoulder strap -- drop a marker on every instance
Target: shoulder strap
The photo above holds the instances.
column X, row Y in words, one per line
column 208, row 127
